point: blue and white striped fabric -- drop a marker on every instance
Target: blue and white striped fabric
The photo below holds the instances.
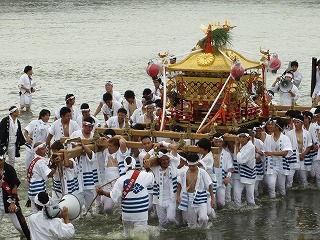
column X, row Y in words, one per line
column 36, row 187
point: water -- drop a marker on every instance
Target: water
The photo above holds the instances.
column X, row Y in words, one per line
column 74, row 46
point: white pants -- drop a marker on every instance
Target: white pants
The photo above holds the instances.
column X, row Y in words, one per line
column 273, row 179
column 25, row 100
column 107, row 203
column 228, row 192
column 29, row 157
column 86, row 197
column 303, row 178
column 221, row 196
column 289, row 179
column 316, row 167
column 237, row 191
column 11, row 153
column 13, row 218
column 193, row 213
column 166, row 213
column 129, row 225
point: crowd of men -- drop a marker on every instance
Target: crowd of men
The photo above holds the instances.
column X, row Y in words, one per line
column 182, row 188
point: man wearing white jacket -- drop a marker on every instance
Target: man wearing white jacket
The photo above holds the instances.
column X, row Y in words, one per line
column 245, row 151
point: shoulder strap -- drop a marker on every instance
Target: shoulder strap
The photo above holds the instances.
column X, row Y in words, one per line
column 5, row 186
column 130, row 184
column 30, row 168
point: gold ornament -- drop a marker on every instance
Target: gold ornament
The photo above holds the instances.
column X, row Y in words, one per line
column 205, row 59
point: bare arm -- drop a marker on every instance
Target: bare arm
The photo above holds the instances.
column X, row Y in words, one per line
column 178, row 193
column 87, row 150
column 98, row 109
column 212, row 195
column 26, row 135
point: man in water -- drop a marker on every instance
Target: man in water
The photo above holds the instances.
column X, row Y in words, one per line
column 11, row 137
column 131, row 191
column 43, row 226
column 26, row 88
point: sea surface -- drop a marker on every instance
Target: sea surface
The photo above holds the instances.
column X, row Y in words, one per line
column 75, row 46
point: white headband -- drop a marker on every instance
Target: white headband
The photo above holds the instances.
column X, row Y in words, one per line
column 39, row 146
column 288, row 75
column 69, row 98
column 218, row 138
column 246, row 134
column 254, row 129
column 13, row 110
column 132, row 164
column 294, row 119
column 269, row 94
column 275, row 122
column 161, row 154
column 192, row 163
column 109, row 82
column 150, row 105
column 85, row 110
column 87, row 123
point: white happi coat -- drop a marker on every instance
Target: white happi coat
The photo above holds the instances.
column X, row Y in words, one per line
column 24, row 80
column 225, row 163
column 96, row 121
column 125, row 105
column 285, row 97
column 37, row 130
column 136, row 116
column 314, row 131
column 86, row 168
column 40, row 173
column 141, row 156
column 113, row 111
column 294, row 159
column 283, row 144
column 120, row 158
column 116, row 96
column 246, row 159
column 74, row 112
column 159, row 188
column 135, row 205
column 49, row 229
column 114, row 123
column 261, row 165
column 200, row 196
column 68, row 183
column 56, row 129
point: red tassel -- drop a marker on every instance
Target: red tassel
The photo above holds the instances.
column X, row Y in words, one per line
column 208, row 45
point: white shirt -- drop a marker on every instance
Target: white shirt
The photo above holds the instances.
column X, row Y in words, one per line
column 125, row 104
column 114, row 123
column 316, row 91
column 96, row 121
column 56, row 129
column 136, row 116
column 285, row 97
column 13, row 128
column 37, row 130
column 297, row 78
column 74, row 112
column 115, row 95
column 24, row 80
column 113, row 111
column 49, row 229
